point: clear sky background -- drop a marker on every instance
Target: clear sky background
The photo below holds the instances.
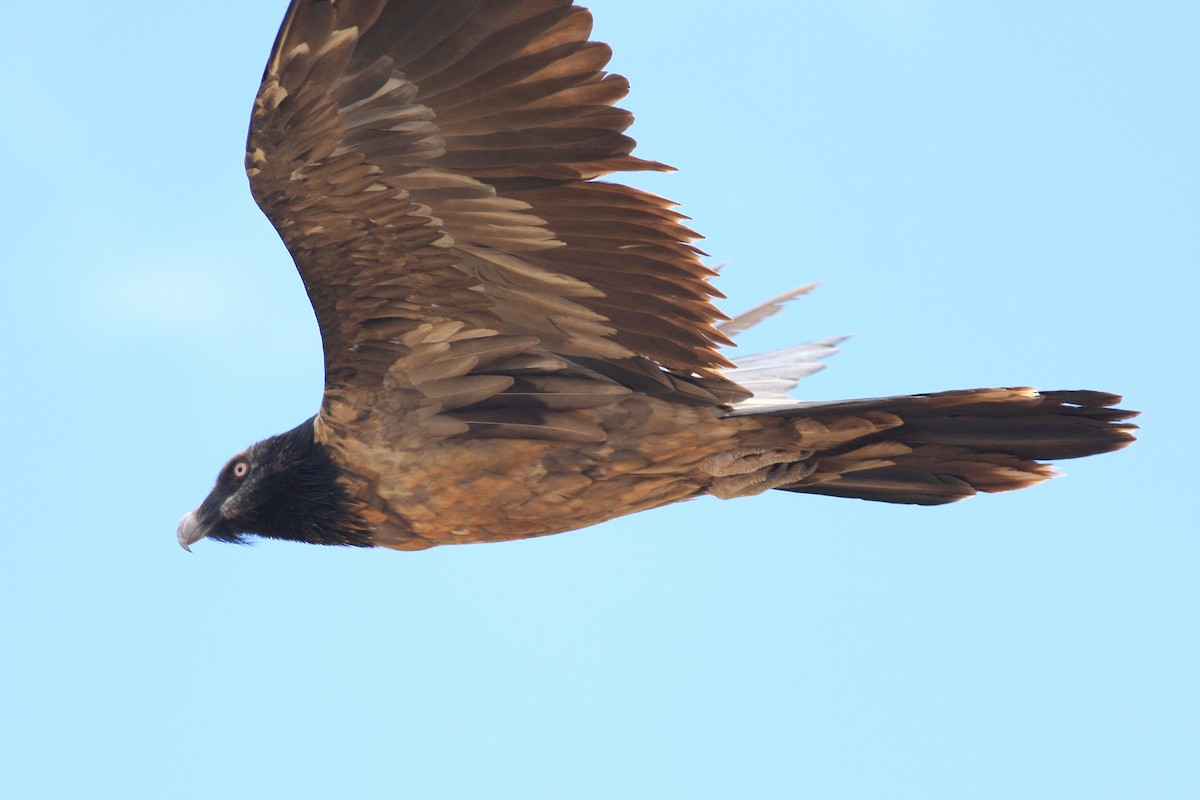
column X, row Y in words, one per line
column 994, row 193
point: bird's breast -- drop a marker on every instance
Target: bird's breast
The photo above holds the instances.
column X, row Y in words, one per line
column 466, row 489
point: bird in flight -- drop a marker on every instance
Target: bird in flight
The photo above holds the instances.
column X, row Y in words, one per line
column 515, row 347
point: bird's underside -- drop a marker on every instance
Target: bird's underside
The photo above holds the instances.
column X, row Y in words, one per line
column 514, row 347
column 924, row 449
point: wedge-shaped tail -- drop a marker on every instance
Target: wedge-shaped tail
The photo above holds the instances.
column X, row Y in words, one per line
column 938, row 448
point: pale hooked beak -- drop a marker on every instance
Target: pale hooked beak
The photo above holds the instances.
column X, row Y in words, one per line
column 189, row 531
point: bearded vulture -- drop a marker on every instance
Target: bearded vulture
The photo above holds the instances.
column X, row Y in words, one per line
column 515, row 347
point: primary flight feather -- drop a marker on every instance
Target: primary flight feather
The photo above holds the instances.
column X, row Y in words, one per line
column 515, row 348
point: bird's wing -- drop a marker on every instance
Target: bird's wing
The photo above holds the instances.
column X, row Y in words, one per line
column 431, row 166
column 748, row 319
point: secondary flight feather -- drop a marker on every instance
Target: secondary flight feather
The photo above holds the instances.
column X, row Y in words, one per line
column 515, row 347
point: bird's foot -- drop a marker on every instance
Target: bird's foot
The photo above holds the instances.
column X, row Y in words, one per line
column 749, row 471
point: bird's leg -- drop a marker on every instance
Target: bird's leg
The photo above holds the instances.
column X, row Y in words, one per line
column 744, row 460
column 749, row 471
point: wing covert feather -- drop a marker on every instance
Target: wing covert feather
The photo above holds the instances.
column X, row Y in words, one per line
column 434, row 163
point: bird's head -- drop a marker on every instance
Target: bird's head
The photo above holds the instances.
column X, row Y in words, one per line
column 285, row 487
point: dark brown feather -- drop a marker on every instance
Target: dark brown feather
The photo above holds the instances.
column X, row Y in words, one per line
column 957, row 443
column 388, row 146
column 514, row 348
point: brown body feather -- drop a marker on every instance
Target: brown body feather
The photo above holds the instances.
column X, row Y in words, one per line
column 514, row 348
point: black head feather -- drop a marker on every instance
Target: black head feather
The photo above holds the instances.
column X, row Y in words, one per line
column 285, row 487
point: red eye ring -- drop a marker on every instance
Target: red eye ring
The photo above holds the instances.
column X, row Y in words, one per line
column 240, row 470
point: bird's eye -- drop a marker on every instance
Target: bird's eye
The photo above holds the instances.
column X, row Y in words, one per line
column 240, row 470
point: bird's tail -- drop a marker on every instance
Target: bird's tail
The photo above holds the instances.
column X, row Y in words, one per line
column 929, row 449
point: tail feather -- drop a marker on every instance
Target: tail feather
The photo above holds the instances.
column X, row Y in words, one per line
column 950, row 445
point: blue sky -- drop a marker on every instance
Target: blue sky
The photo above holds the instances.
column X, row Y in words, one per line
column 992, row 194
